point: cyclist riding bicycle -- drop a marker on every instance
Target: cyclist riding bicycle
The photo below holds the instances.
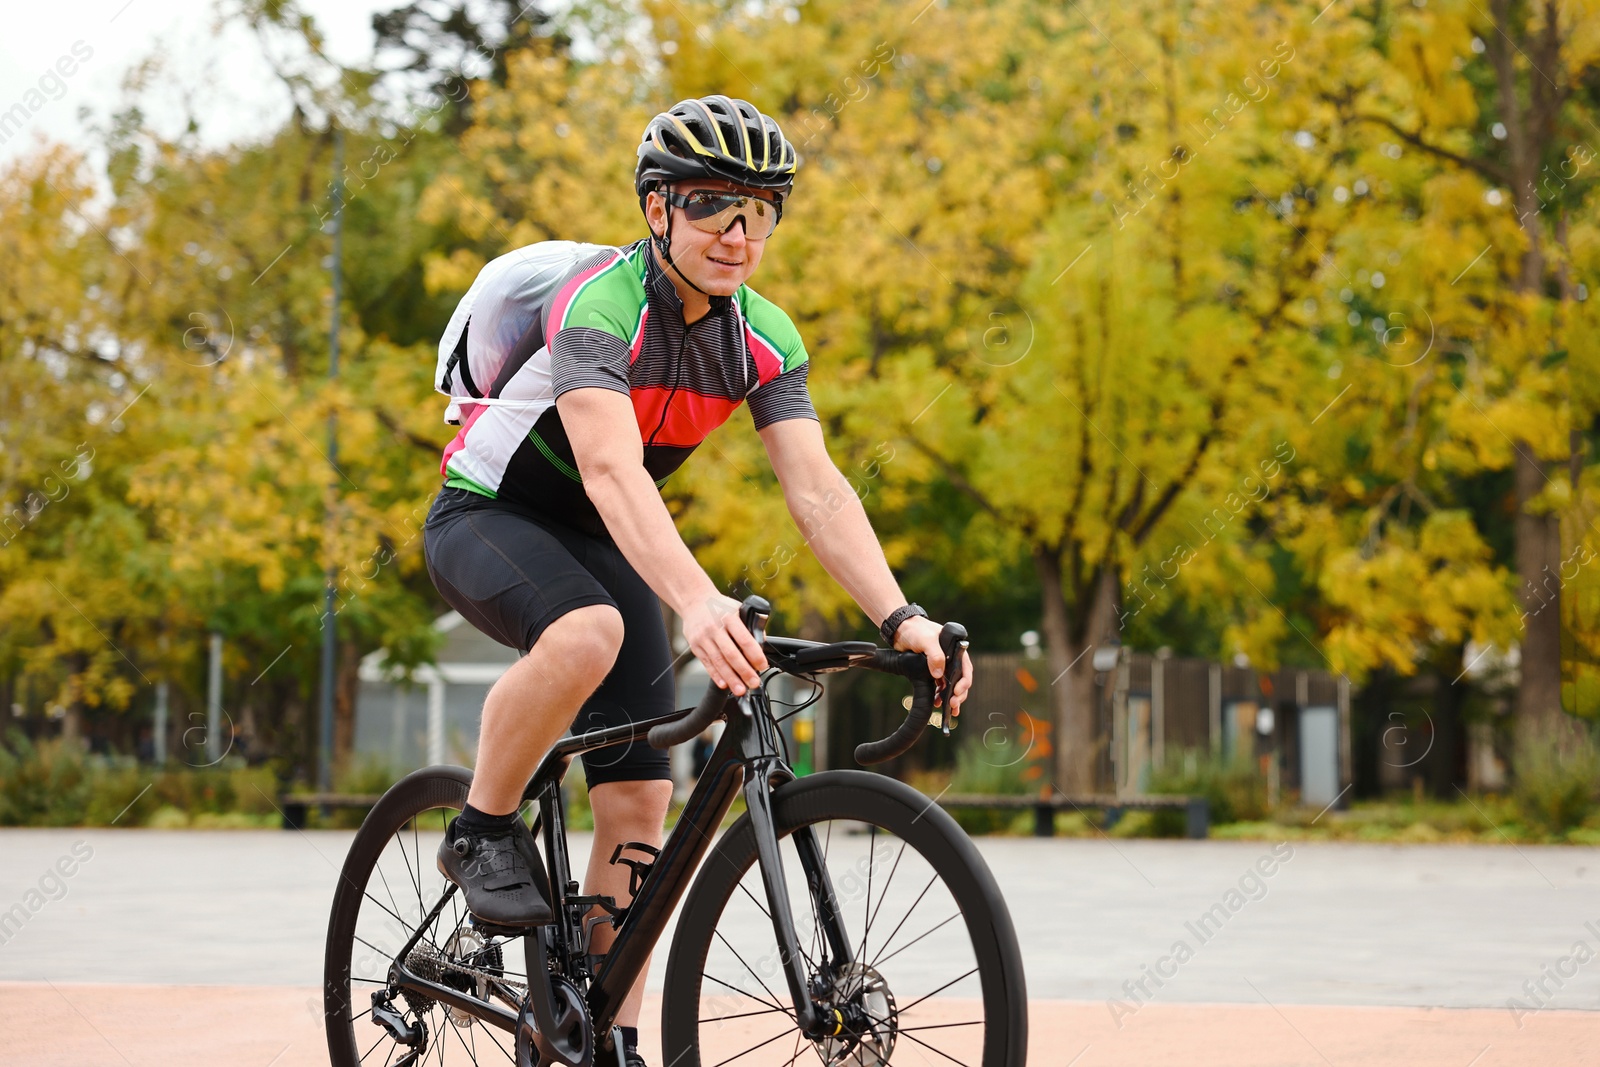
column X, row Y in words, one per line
column 550, row 534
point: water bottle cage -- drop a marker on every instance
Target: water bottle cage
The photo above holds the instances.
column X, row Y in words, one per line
column 638, row 870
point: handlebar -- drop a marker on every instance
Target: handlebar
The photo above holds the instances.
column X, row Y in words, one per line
column 754, row 613
column 914, row 665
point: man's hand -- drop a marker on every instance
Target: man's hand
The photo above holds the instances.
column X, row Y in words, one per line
column 918, row 634
column 726, row 649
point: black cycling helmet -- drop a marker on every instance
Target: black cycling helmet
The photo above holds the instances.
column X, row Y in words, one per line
column 715, row 137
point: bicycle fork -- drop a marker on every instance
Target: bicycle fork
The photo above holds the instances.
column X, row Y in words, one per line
column 766, row 766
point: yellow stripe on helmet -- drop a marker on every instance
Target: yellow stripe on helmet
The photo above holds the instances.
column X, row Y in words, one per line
column 766, row 144
column 694, row 142
column 715, row 128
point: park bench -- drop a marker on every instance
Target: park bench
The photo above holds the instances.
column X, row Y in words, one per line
column 1197, row 810
column 295, row 805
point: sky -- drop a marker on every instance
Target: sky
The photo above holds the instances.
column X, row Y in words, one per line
column 223, row 81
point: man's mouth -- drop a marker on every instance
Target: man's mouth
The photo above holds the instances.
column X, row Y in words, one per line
column 725, row 262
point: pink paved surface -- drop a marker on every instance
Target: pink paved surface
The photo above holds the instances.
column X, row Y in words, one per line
column 272, row 1026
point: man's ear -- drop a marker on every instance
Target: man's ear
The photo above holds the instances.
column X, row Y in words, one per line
column 655, row 208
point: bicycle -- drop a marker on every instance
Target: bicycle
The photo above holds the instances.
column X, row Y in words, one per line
column 403, row 971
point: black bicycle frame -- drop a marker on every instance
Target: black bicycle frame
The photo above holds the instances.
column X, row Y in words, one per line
column 749, row 755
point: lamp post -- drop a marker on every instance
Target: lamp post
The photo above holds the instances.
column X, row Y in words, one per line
column 330, row 645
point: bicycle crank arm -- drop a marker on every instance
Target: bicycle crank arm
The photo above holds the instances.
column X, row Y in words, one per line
column 554, row 1020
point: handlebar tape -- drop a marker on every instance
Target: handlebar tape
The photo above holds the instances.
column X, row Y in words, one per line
column 914, row 665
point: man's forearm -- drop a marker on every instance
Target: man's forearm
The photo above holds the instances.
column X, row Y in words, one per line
column 840, row 534
column 638, row 521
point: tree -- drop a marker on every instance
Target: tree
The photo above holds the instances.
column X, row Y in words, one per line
column 1516, row 124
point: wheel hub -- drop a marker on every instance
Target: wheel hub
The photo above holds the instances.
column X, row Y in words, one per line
column 864, row 1010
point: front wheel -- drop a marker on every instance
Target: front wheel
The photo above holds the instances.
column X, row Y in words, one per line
column 920, row 962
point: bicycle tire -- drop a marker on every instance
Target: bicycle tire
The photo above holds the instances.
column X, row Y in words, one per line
column 877, row 801
column 411, row 798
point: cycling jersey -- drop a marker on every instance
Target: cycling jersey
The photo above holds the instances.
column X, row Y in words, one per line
column 617, row 323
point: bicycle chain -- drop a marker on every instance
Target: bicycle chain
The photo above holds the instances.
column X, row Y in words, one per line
column 427, row 961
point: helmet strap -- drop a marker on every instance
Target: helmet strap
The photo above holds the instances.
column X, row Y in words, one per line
column 663, row 243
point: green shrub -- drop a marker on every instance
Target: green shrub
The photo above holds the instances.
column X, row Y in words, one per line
column 1234, row 788
column 52, row 784
column 990, row 769
column 1555, row 789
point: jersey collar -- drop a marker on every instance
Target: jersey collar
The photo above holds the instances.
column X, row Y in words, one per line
column 658, row 284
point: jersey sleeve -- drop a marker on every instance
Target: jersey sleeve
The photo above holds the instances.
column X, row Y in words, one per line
column 780, row 360
column 592, row 324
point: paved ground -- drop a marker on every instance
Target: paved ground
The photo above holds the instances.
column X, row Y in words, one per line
column 1420, row 927
column 272, row 1026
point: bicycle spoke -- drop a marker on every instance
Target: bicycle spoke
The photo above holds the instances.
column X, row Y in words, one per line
column 884, row 894
column 381, row 1035
column 907, row 1007
column 934, row 878
column 752, row 970
column 937, row 1026
column 752, row 996
column 872, row 850
column 908, row 944
column 930, row 1048
column 752, row 1048
column 740, row 1015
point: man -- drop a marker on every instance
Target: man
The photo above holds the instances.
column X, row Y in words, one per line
column 550, row 534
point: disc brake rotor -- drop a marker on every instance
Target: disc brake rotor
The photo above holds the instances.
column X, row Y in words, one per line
column 870, row 1019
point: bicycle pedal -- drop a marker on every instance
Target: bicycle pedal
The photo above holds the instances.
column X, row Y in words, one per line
column 491, row 930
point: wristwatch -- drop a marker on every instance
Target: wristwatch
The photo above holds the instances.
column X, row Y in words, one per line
column 896, row 617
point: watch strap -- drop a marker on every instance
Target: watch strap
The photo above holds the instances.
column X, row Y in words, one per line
column 896, row 617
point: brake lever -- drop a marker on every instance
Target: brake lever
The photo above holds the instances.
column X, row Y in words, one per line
column 953, row 643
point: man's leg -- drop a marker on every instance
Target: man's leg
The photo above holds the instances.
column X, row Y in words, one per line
column 535, row 701
column 623, row 811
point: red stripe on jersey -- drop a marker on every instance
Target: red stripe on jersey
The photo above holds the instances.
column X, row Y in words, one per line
column 689, row 419
column 460, row 441
column 638, row 336
column 563, row 300
column 769, row 363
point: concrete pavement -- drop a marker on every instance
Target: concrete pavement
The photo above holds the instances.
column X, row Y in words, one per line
column 1279, row 944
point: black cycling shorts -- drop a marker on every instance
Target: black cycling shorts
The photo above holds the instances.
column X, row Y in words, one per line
column 511, row 574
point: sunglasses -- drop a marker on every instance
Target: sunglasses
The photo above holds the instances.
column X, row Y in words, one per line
column 716, row 212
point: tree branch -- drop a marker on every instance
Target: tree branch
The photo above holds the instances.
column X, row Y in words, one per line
column 1480, row 166
column 404, row 434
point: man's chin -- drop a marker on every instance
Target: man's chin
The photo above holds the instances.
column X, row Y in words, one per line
column 721, row 286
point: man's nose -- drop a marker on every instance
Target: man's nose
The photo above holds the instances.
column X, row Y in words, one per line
column 729, row 236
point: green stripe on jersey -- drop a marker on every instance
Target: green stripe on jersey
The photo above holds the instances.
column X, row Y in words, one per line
column 613, row 301
column 773, row 325
column 456, row 481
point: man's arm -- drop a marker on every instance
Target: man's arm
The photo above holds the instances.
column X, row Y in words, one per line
column 835, row 525
column 604, row 434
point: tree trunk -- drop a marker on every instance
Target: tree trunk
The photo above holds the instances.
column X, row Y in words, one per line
column 72, row 714
column 1538, row 537
column 346, row 687
column 1078, row 738
column 1539, row 713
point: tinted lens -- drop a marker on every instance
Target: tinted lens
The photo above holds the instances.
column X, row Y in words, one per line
column 715, row 212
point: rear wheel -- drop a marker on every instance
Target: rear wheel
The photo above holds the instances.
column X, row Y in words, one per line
column 932, row 972
column 386, row 891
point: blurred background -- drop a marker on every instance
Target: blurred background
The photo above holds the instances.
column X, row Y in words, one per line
column 1231, row 372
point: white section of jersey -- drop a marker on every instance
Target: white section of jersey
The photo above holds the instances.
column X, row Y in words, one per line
column 494, row 436
column 501, row 304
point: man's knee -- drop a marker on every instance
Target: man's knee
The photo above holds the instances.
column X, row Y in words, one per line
column 643, row 802
column 585, row 640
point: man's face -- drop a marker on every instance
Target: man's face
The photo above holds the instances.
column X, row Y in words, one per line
column 717, row 262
